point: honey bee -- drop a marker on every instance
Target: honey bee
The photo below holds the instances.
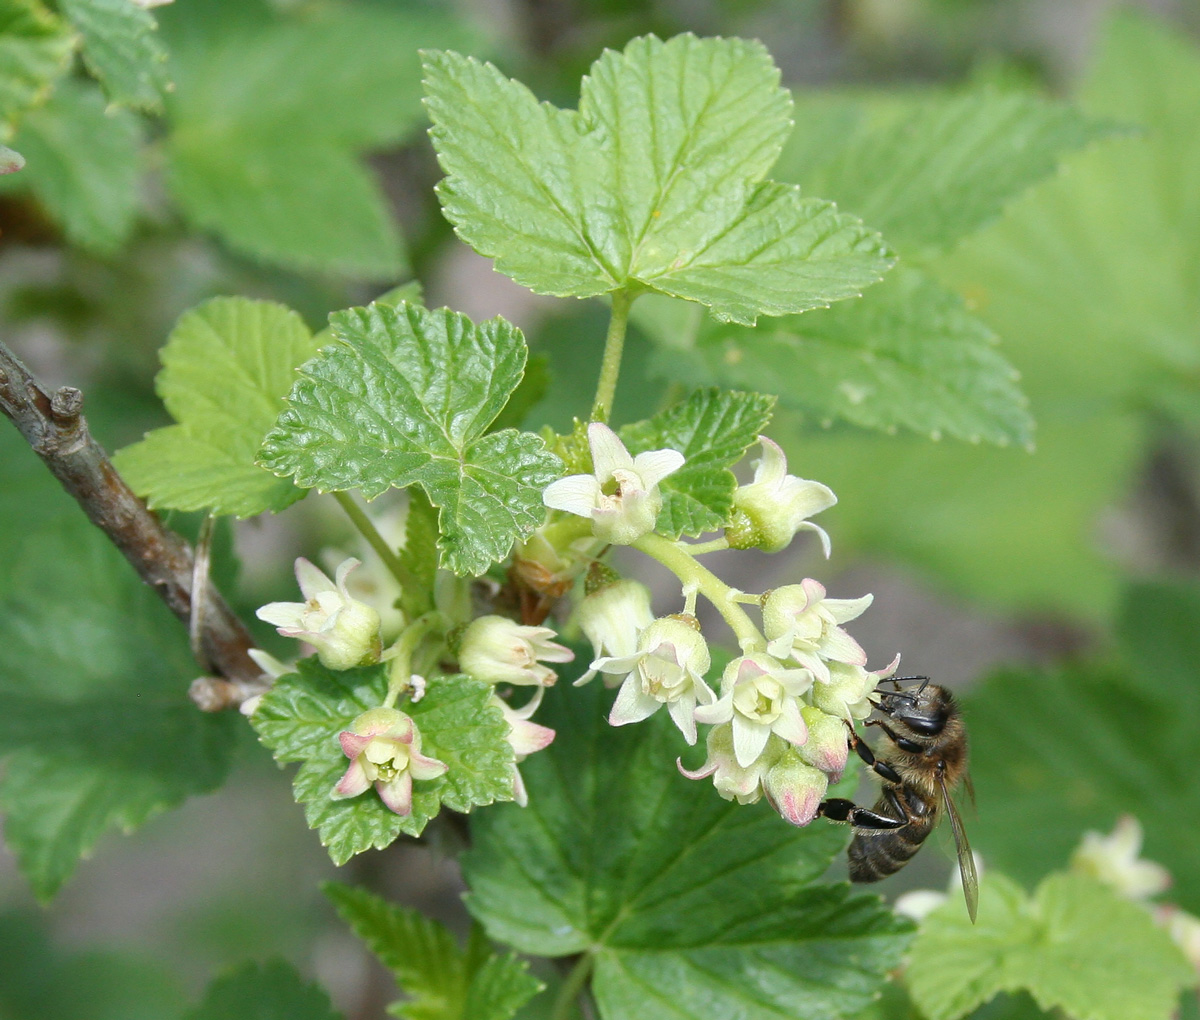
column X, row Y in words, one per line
column 929, row 761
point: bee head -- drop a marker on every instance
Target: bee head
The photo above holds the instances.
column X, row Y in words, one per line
column 924, row 710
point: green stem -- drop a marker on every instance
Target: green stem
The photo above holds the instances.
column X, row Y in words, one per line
column 569, row 991
column 367, row 529
column 677, row 559
column 400, row 666
column 700, row 548
column 614, row 344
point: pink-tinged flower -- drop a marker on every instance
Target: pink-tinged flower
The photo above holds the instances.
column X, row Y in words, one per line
column 344, row 631
column 760, row 697
column 731, row 780
column 847, row 695
column 1184, row 929
column 801, row 623
column 794, row 788
column 384, row 748
column 1114, row 860
column 501, row 651
column 621, row 495
column 667, row 669
column 524, row 737
column 775, row 505
column 828, row 744
column 613, row 619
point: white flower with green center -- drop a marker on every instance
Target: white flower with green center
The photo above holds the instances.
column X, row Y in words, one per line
column 804, row 625
column 384, row 748
column 667, row 669
column 775, row 505
column 760, row 696
column 344, row 631
column 524, row 737
column 847, row 695
column 731, row 780
column 1114, row 860
column 501, row 651
column 621, row 495
column 613, row 619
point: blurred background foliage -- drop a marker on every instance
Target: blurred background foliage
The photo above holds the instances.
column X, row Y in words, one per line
column 277, row 150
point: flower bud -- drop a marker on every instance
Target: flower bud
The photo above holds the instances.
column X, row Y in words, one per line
column 500, row 651
column 344, row 631
column 613, row 618
column 384, row 748
column 828, row 745
column 775, row 505
column 794, row 788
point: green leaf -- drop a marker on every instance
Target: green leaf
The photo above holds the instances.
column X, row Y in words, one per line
column 95, row 720
column 712, row 429
column 906, row 355
column 1131, row 725
column 929, row 171
column 442, row 981
column 700, row 907
column 121, row 47
column 655, row 182
column 84, row 165
column 1076, row 946
column 35, row 49
column 264, row 991
column 406, row 397
column 302, row 715
column 227, row 366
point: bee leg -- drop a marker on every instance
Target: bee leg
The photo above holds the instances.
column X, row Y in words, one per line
column 901, row 742
column 880, row 768
column 838, row 809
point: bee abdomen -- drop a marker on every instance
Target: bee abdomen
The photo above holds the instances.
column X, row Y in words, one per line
column 876, row 856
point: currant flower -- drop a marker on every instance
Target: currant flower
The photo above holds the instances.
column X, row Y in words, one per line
column 344, row 631
column 847, row 695
column 802, row 624
column 775, row 505
column 524, row 737
column 1114, row 860
column 828, row 746
column 612, row 619
column 759, row 696
column 621, row 496
column 731, row 780
column 667, row 669
column 384, row 748
column 794, row 788
column 271, row 667
column 501, row 651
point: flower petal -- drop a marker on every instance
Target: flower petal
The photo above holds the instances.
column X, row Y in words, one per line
column 681, row 714
column 311, row 578
column 826, row 544
column 608, row 452
column 632, row 705
column 423, row 767
column 576, row 494
column 282, row 614
column 719, row 711
column 397, row 794
column 654, row 465
column 790, row 723
column 845, row 610
column 352, row 783
column 343, row 569
column 749, row 739
column 772, row 465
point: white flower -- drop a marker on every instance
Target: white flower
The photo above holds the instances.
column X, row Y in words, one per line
column 384, row 748
column 613, row 618
column 802, row 623
column 794, row 788
column 760, row 697
column 621, row 496
column 344, row 631
column 847, row 695
column 775, row 505
column 731, row 780
column 1114, row 860
column 524, row 737
column 500, row 651
column 667, row 669
column 1184, row 929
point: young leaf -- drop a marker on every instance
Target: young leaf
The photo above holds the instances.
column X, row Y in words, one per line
column 907, row 355
column 442, row 981
column 930, row 171
column 264, row 991
column 712, row 429
column 300, row 718
column 702, row 907
column 406, row 397
column 227, row 366
column 657, row 181
column 121, row 47
column 84, row 165
column 95, row 720
column 1075, row 945
column 35, row 48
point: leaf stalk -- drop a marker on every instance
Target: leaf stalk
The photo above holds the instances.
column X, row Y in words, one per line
column 614, row 346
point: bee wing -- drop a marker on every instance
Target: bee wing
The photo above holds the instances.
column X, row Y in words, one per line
column 970, row 787
column 966, row 863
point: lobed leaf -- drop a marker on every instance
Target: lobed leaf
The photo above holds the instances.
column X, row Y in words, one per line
column 701, row 907
column 406, row 397
column 264, row 991
column 1076, row 945
column 227, row 366
column 121, row 47
column 442, row 981
column 302, row 715
column 712, row 429
column 656, row 181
